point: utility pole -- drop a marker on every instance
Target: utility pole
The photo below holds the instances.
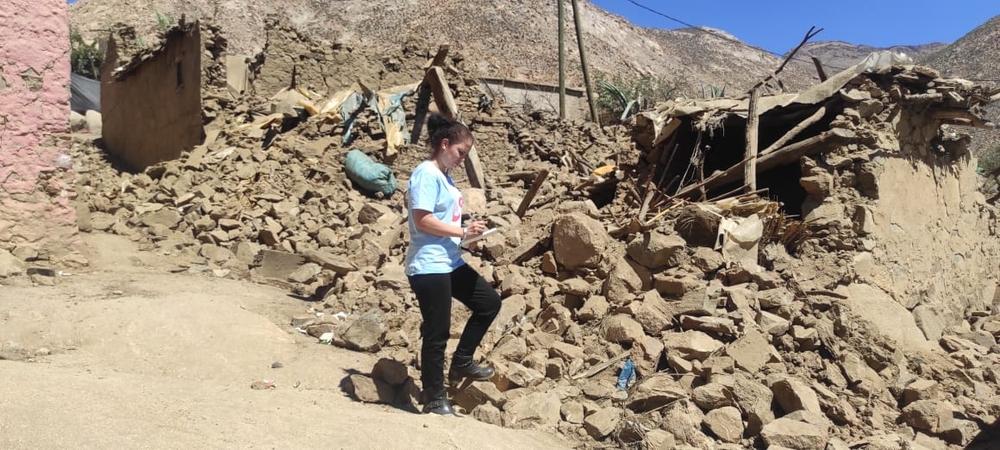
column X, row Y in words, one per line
column 562, row 60
column 583, row 63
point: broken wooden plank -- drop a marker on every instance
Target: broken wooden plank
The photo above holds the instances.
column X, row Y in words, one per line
column 819, row 68
column 750, row 168
column 791, row 134
column 537, row 184
column 602, row 366
column 447, row 106
column 776, row 158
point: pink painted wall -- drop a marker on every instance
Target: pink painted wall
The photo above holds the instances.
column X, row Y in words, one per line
column 36, row 188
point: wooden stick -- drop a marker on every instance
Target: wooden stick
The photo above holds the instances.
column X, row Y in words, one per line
column 446, row 104
column 791, row 134
column 734, row 191
column 645, row 201
column 774, row 159
column 819, row 68
column 604, row 365
column 664, row 168
column 809, row 35
column 526, row 202
column 750, row 168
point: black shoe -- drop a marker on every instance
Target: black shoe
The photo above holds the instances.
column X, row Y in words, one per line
column 470, row 370
column 440, row 407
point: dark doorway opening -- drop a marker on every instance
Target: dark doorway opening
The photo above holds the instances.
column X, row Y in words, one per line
column 694, row 155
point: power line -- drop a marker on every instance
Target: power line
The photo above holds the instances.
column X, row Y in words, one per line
column 764, row 50
column 721, row 36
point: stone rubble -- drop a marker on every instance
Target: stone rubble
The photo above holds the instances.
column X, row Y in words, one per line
column 727, row 356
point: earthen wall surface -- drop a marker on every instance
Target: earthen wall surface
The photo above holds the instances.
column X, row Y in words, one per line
column 35, row 180
column 936, row 237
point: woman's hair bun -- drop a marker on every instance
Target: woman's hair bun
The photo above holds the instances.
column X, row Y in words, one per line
column 437, row 121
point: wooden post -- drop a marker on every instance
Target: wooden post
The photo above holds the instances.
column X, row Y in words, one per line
column 535, row 185
column 446, row 105
column 583, row 63
column 562, row 59
column 819, row 68
column 750, row 169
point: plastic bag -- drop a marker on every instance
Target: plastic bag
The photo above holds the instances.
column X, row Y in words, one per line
column 371, row 175
column 627, row 374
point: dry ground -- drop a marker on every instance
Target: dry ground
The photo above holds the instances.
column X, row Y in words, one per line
column 144, row 358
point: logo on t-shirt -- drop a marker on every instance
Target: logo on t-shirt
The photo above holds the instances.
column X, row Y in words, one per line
column 456, row 216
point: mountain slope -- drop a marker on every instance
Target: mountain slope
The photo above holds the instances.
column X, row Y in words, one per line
column 976, row 56
column 505, row 38
column 843, row 54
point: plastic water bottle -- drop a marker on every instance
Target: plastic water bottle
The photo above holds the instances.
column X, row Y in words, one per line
column 627, row 374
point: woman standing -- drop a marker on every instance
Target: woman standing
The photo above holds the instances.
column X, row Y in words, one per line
column 435, row 267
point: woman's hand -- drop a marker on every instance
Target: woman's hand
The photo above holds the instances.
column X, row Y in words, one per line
column 475, row 228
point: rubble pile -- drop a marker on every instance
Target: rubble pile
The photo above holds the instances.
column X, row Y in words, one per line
column 744, row 327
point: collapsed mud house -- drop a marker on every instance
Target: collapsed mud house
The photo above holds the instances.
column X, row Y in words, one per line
column 848, row 300
column 863, row 161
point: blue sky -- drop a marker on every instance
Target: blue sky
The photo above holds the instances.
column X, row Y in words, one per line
column 778, row 25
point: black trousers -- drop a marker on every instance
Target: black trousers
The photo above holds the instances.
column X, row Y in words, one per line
column 434, row 293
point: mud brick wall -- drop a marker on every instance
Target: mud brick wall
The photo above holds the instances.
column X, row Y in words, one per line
column 152, row 112
column 36, row 186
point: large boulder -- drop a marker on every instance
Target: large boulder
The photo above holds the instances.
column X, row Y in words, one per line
column 623, row 282
column 540, row 408
column 656, row 250
column 621, row 328
column 886, row 316
column 691, row 344
column 793, row 395
column 578, row 241
column 602, row 422
column 794, row 435
column 365, row 333
column 726, row 423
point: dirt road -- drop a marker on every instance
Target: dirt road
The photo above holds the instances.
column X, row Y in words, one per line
column 128, row 355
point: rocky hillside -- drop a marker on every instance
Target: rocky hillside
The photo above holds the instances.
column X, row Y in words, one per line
column 835, row 54
column 506, row 38
column 975, row 55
